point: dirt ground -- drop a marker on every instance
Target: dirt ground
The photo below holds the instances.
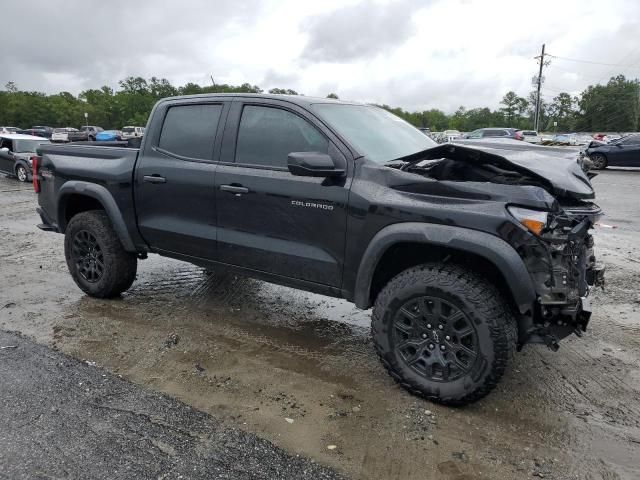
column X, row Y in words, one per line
column 299, row 369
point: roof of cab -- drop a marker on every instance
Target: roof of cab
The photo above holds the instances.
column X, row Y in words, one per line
column 301, row 100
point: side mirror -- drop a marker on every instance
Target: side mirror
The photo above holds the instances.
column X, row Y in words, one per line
column 4, row 150
column 313, row 164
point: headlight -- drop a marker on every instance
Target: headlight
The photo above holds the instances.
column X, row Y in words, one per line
column 533, row 220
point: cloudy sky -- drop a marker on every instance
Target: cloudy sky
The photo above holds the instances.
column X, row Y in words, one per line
column 410, row 53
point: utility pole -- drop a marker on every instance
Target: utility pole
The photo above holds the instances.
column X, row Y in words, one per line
column 537, row 115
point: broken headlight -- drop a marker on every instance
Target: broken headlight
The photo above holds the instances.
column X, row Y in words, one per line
column 532, row 220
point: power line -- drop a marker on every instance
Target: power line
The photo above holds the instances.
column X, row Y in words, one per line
column 589, row 61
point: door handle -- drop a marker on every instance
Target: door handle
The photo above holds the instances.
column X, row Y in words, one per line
column 237, row 189
column 154, row 179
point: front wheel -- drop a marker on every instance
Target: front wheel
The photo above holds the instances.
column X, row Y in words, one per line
column 21, row 173
column 443, row 333
column 97, row 261
column 599, row 161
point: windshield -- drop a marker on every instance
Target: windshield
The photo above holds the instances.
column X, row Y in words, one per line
column 374, row 132
column 28, row 146
column 128, row 130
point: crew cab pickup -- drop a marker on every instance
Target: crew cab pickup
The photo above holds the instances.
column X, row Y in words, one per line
column 465, row 252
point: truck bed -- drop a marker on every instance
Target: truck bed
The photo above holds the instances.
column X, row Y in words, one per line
column 74, row 168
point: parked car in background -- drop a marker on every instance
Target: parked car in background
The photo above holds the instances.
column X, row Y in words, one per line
column 86, row 133
column 109, row 136
column 133, row 132
column 61, row 135
column 33, row 132
column 451, row 135
column 43, row 130
column 495, row 133
column 530, row 136
column 565, row 139
column 15, row 154
column 9, row 129
column 624, row 152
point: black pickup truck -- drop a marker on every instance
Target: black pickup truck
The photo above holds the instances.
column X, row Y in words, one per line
column 465, row 252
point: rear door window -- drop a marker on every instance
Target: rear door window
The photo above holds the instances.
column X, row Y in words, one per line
column 190, row 130
column 267, row 135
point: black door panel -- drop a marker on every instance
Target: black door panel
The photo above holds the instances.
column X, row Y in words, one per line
column 268, row 219
column 286, row 225
column 175, row 191
column 178, row 214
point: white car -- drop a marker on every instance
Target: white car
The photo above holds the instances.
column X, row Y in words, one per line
column 531, row 136
column 132, row 132
column 62, row 134
column 451, row 135
column 8, row 129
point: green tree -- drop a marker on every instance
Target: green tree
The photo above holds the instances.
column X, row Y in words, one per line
column 562, row 110
column 334, row 96
column 513, row 109
column 283, row 91
column 613, row 107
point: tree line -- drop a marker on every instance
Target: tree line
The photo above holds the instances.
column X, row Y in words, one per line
column 611, row 107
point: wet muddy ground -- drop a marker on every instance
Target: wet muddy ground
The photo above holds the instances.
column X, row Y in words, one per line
column 299, row 369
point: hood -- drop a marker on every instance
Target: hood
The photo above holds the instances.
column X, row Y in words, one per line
column 558, row 168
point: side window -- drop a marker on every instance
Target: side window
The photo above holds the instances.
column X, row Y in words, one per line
column 494, row 133
column 267, row 135
column 190, row 130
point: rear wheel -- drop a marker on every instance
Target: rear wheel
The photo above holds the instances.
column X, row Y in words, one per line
column 599, row 161
column 95, row 256
column 443, row 333
column 21, row 173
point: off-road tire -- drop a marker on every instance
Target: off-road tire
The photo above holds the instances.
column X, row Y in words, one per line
column 484, row 307
column 22, row 174
column 599, row 161
column 120, row 266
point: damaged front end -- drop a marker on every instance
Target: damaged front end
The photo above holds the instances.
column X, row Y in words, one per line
column 555, row 243
column 563, row 267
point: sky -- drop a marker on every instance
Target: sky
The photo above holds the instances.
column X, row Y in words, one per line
column 413, row 54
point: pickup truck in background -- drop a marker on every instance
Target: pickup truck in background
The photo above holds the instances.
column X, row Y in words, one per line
column 464, row 252
column 86, row 133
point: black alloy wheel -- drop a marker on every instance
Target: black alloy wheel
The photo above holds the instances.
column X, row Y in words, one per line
column 88, row 256
column 435, row 339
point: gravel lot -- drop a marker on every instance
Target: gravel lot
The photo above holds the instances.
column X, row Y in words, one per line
column 62, row 418
column 299, row 370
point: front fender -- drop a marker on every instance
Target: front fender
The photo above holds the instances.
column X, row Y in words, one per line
column 102, row 195
column 495, row 250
